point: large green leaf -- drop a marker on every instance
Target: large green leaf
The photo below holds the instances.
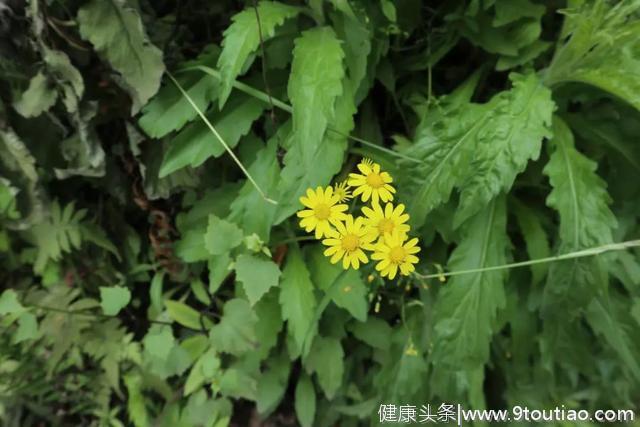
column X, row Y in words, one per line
column 296, row 297
column 314, row 85
column 580, row 197
column 603, row 49
column 465, row 312
column 115, row 30
column 479, row 149
column 244, row 36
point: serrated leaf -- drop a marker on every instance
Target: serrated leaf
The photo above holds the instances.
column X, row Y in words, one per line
column 465, row 312
column 297, row 175
column 114, row 299
column 326, row 359
column 115, row 30
column 183, row 314
column 314, row 85
column 305, row 401
column 580, row 197
column 601, row 50
column 235, row 333
column 296, row 297
column 480, row 149
column 9, row 303
column 169, row 110
column 195, row 143
column 243, row 37
column 257, row 275
column 38, row 98
column 222, row 236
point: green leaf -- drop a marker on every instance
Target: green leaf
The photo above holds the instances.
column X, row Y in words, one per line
column 272, row 385
column 602, row 49
column 480, row 149
column 580, row 197
column 296, row 297
column 349, row 293
column 58, row 234
column 114, row 299
column 169, row 110
column 326, row 359
column 465, row 312
column 9, row 303
column 235, row 333
column 222, row 236
column 375, row 332
column 219, row 268
column 115, row 30
column 269, row 322
column 314, row 85
column 183, row 314
column 243, row 37
column 257, row 275
column 612, row 321
column 305, row 401
column 300, row 173
column 27, row 328
column 38, row 98
column 249, row 209
column 535, row 238
column 136, row 407
column 195, row 143
column 192, row 247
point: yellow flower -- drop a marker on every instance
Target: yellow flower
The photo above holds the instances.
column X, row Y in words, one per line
column 381, row 222
column 342, row 191
column 323, row 211
column 347, row 242
column 372, row 183
column 395, row 255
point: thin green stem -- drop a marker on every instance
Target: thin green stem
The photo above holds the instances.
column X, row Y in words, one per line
column 289, row 109
column 571, row 255
column 224, row 144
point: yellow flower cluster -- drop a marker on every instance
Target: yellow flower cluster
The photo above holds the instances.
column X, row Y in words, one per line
column 381, row 230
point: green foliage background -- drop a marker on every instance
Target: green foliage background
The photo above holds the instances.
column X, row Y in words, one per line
column 147, row 281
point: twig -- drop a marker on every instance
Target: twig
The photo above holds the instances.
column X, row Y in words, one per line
column 571, row 255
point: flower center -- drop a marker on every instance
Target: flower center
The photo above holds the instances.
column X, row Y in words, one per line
column 397, row 254
column 322, row 211
column 350, row 242
column 375, row 180
column 385, row 226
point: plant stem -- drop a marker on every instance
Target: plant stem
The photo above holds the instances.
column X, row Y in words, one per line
column 571, row 255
